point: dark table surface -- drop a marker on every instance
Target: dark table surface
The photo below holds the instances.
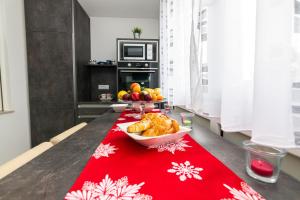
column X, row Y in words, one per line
column 50, row 175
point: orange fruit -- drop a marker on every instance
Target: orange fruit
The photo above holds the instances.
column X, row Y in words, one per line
column 160, row 97
column 154, row 97
column 133, row 85
column 136, row 88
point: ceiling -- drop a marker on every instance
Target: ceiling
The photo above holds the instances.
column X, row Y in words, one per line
column 122, row 8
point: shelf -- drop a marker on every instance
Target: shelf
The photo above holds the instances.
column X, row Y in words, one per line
column 97, row 104
column 101, row 65
column 88, row 116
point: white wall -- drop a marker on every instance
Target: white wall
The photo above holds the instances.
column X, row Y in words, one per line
column 105, row 30
column 14, row 127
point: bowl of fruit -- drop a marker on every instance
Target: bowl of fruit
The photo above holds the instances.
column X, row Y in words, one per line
column 137, row 93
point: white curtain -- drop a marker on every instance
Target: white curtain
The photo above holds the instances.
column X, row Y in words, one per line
column 177, row 29
column 226, row 73
column 256, row 91
column 277, row 57
column 238, row 65
column 196, row 55
column 244, row 64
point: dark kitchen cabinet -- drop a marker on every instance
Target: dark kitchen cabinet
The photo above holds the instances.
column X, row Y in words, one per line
column 58, row 47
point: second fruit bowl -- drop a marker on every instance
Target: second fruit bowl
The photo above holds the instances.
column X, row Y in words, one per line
column 156, row 140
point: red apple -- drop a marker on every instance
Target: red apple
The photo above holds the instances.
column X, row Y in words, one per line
column 135, row 96
column 126, row 97
column 147, row 97
column 143, row 94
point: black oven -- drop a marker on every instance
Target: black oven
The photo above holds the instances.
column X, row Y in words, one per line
column 146, row 77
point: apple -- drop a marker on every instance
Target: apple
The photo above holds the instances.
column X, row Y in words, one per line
column 143, row 94
column 135, row 96
column 126, row 97
column 147, row 97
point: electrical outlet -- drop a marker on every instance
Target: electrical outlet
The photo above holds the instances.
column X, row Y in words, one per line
column 103, row 87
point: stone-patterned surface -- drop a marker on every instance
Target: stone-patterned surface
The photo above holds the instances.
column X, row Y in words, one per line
column 50, row 67
column 50, row 64
column 82, row 52
column 50, row 16
column 50, row 175
column 50, row 79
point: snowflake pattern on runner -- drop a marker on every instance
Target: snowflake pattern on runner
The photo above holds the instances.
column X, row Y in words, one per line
column 185, row 170
column 134, row 115
column 116, row 129
column 108, row 189
column 104, row 150
column 247, row 193
column 179, row 145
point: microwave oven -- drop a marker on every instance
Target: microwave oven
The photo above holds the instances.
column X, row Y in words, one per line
column 130, row 50
column 134, row 51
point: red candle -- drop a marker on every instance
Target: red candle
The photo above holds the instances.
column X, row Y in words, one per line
column 262, row 167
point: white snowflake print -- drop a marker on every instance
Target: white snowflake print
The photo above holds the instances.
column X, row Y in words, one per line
column 134, row 115
column 80, row 195
column 116, row 129
column 108, row 189
column 155, row 110
column 171, row 146
column 247, row 193
column 121, row 119
column 185, row 170
column 104, row 150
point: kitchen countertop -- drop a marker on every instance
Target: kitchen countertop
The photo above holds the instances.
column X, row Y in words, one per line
column 50, row 175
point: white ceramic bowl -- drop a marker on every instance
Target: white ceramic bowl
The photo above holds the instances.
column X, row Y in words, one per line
column 119, row 107
column 157, row 140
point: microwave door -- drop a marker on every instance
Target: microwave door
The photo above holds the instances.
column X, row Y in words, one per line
column 134, row 51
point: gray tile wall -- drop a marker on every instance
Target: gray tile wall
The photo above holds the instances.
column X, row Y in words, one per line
column 50, row 66
column 83, row 52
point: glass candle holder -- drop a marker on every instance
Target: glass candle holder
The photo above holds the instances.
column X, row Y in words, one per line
column 262, row 162
column 167, row 108
column 187, row 119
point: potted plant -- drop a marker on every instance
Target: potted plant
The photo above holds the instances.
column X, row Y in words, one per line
column 137, row 32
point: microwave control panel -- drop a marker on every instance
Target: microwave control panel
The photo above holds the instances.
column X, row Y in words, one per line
column 137, row 64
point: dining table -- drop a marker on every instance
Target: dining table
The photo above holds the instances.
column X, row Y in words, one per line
column 52, row 174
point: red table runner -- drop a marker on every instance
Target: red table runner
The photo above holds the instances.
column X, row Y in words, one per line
column 124, row 170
